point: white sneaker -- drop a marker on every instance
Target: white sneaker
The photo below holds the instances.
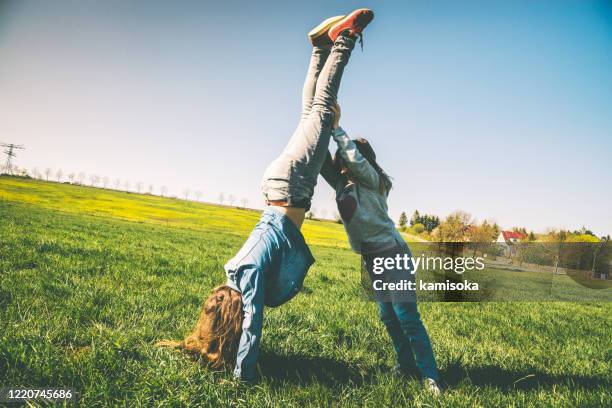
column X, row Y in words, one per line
column 432, row 386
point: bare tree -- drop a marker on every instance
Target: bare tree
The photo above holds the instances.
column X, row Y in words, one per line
column 94, row 179
column 47, row 173
column 138, row 187
column 117, row 184
column 71, row 178
column 35, row 172
column 59, row 175
column 105, row 181
column 150, row 189
column 244, row 201
column 186, row 193
column 81, row 178
column 198, row 195
column 221, row 198
column 163, row 190
column 231, row 199
column 127, row 186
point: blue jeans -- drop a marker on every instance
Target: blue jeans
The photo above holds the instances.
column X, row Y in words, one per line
column 272, row 264
column 400, row 316
column 409, row 337
column 268, row 270
column 293, row 175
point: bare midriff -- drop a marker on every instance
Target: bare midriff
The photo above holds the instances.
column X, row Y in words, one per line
column 296, row 215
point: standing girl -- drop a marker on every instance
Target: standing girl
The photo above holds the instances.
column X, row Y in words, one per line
column 362, row 188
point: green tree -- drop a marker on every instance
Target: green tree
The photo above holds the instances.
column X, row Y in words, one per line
column 484, row 233
column 481, row 236
column 403, row 220
column 497, row 229
column 584, row 231
column 430, row 222
column 417, row 228
column 455, row 228
column 416, row 218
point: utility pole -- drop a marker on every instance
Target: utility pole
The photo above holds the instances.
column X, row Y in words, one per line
column 9, row 151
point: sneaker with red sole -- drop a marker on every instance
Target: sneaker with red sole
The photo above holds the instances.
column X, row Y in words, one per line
column 353, row 24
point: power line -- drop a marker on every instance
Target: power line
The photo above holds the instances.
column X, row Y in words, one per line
column 9, row 151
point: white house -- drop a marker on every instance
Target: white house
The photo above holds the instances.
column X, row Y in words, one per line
column 507, row 239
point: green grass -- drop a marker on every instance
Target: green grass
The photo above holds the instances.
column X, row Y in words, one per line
column 90, row 279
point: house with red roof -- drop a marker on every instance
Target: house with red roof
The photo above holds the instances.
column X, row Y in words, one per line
column 508, row 239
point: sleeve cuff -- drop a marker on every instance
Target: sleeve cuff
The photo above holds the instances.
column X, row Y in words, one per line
column 339, row 134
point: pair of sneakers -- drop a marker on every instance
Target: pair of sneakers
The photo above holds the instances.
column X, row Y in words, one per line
column 429, row 384
column 352, row 25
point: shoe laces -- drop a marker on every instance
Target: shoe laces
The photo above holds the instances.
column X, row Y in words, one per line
column 358, row 35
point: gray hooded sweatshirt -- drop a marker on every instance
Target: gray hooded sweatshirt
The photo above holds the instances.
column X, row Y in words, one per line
column 361, row 205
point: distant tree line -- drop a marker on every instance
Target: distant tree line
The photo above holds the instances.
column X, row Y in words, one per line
column 94, row 180
column 459, row 226
column 419, row 223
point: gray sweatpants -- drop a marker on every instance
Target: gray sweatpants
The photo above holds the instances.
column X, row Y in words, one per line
column 293, row 175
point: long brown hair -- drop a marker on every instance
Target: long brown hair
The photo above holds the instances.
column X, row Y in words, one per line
column 218, row 329
column 366, row 150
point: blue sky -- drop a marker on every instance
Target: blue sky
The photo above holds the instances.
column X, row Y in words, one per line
column 501, row 109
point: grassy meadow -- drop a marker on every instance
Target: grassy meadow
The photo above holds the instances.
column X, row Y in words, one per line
column 90, row 279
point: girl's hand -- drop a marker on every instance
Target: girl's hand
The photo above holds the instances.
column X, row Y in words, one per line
column 337, row 114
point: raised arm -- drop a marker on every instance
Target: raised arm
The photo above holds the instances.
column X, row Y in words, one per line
column 252, row 288
column 329, row 172
column 358, row 165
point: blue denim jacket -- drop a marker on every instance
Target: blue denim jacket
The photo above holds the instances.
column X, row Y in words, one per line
column 268, row 270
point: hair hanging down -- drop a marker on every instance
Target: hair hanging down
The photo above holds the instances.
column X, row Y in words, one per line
column 366, row 150
column 218, row 330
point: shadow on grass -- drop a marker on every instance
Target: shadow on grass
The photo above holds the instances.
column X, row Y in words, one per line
column 506, row 380
column 300, row 369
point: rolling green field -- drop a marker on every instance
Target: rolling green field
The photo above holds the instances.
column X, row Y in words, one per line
column 90, row 279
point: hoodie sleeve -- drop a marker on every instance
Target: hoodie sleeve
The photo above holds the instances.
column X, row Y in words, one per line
column 329, row 173
column 359, row 166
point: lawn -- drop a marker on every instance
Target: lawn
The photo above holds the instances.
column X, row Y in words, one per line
column 90, row 279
